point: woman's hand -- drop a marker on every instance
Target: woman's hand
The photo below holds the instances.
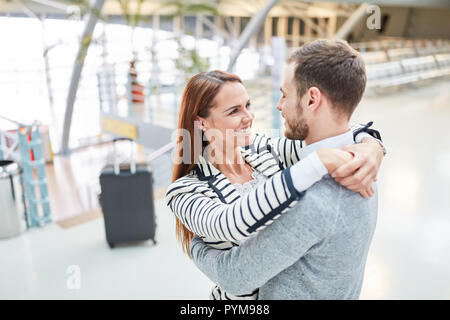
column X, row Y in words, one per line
column 358, row 174
column 333, row 159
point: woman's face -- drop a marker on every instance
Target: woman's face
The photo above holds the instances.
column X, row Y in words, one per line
column 230, row 118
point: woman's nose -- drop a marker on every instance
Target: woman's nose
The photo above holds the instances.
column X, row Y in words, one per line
column 249, row 116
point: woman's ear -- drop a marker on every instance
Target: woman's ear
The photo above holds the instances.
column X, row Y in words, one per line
column 199, row 123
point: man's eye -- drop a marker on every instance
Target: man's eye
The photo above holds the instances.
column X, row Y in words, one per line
column 248, row 105
column 234, row 111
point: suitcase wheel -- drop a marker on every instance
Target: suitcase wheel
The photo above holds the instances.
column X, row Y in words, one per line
column 110, row 244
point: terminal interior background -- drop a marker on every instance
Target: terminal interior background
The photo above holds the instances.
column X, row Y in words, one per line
column 65, row 74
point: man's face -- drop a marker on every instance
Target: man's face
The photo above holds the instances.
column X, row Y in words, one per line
column 291, row 107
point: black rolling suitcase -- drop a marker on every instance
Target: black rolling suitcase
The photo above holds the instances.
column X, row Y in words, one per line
column 126, row 200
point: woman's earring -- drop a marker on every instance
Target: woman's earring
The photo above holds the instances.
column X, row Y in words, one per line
column 204, row 129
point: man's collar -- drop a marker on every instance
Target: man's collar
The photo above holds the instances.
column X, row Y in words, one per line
column 338, row 141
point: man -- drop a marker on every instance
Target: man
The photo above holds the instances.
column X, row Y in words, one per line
column 319, row 251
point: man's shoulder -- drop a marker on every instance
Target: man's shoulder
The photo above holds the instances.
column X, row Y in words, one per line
column 316, row 210
column 323, row 203
column 335, row 194
column 324, row 193
column 333, row 201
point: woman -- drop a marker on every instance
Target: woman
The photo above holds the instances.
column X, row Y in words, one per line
column 228, row 184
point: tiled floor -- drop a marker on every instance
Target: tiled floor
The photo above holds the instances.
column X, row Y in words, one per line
column 409, row 257
column 38, row 265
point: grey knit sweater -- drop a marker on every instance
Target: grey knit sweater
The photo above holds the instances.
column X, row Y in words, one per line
column 317, row 251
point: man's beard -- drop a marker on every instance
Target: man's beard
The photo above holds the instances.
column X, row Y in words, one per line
column 297, row 129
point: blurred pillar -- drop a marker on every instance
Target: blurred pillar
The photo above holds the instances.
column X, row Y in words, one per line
column 308, row 30
column 351, row 22
column 296, row 32
column 86, row 37
column 237, row 26
column 282, row 27
column 279, row 55
column 331, row 27
column 267, row 31
column 250, row 29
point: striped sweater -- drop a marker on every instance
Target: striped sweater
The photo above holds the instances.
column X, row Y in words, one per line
column 208, row 204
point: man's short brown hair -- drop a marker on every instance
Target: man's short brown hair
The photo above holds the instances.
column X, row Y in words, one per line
column 335, row 68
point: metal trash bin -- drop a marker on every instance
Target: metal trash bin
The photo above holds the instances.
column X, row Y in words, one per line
column 12, row 222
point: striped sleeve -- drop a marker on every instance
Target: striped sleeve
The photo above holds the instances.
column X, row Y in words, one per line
column 372, row 133
column 236, row 221
column 286, row 149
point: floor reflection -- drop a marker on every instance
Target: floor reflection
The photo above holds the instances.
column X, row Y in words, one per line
column 409, row 257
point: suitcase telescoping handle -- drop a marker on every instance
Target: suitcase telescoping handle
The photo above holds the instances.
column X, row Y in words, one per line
column 132, row 161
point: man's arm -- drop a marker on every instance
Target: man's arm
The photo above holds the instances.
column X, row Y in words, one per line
column 247, row 267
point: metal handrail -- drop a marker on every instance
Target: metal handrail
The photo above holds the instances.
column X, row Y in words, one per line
column 159, row 152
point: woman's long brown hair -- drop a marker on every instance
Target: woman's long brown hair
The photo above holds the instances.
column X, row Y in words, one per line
column 197, row 99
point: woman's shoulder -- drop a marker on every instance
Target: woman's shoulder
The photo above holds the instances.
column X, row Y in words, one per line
column 186, row 184
column 190, row 177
